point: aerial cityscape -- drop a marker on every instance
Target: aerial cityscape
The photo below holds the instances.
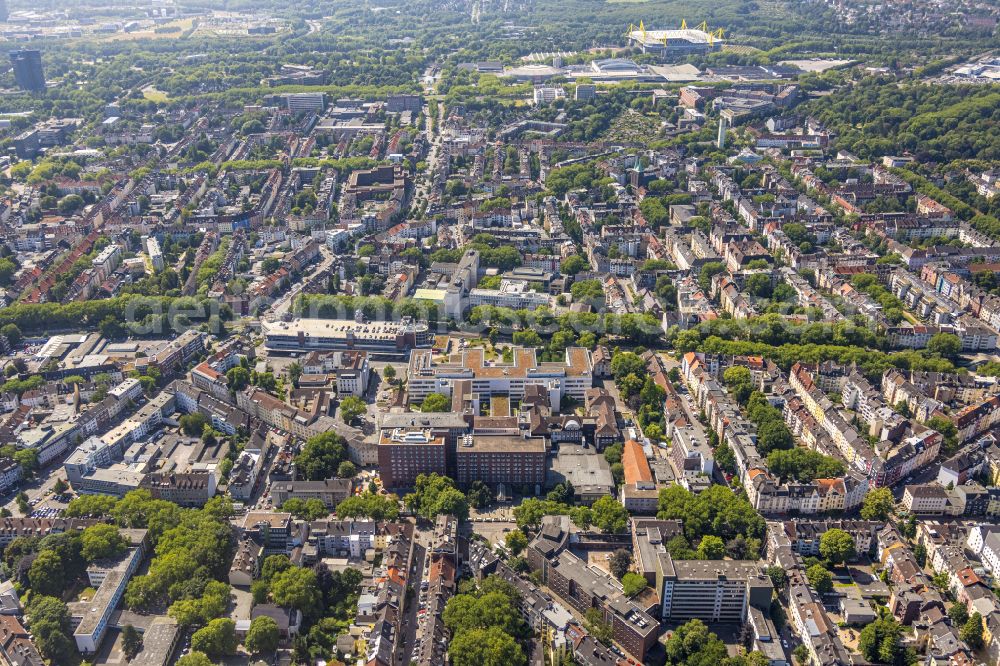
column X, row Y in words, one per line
column 500, row 333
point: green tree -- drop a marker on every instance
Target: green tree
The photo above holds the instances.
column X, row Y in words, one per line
column 435, row 495
column 195, row 659
column 11, row 331
column 516, row 542
column 879, row 641
column 7, row 270
column 296, row 588
column 717, row 511
column 959, row 614
column 708, row 271
column 803, row 464
column 773, row 436
column 321, row 456
column 27, row 459
column 262, row 636
column 480, row 495
column 485, row 647
column 49, row 621
column 274, row 565
column 310, row 509
column 972, row 631
column 389, row 373
column 878, row 504
column 237, row 378
column 369, row 505
column 351, row 408
column 820, row 578
column 347, row 470
column 573, row 264
column 600, row 628
column 60, row 487
column 837, row 546
column 609, row 515
column 102, row 541
column 70, row 204
column 693, row 644
column 948, row 430
column 112, row 328
column 947, row 345
column 711, row 548
column 627, row 363
column 633, row 583
column 294, row 373
column 193, row 424
column 47, row 574
column 216, row 639
column 436, row 402
column 131, row 642
column 619, row 562
column 778, row 576
column 95, row 506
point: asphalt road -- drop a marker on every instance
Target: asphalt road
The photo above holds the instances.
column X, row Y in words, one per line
column 417, row 573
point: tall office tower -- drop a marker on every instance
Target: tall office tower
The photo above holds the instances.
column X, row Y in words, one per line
column 28, row 69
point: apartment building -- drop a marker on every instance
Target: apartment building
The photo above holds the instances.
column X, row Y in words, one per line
column 583, row 588
column 190, row 489
column 330, row 491
column 712, row 590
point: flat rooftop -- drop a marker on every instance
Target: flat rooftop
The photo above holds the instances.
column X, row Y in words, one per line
column 341, row 328
column 500, row 444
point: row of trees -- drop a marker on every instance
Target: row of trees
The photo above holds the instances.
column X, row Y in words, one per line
column 606, row 514
column 486, row 625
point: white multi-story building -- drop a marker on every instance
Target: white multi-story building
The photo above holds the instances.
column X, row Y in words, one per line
column 93, row 622
column 129, row 389
column 154, row 252
column 513, row 294
column 10, row 474
column 928, row 499
column 299, row 102
column 351, row 369
column 572, row 377
column 548, row 94
column 107, row 261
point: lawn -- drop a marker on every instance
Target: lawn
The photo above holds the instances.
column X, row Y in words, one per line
column 154, row 95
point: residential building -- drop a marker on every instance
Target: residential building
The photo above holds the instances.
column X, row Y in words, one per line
column 330, row 491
